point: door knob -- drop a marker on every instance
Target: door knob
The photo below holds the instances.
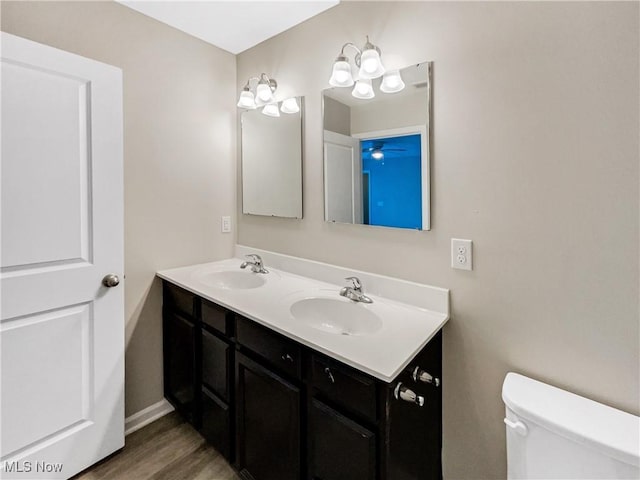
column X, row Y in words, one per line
column 110, row 280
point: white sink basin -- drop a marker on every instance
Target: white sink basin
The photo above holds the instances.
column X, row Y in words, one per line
column 336, row 315
column 232, row 279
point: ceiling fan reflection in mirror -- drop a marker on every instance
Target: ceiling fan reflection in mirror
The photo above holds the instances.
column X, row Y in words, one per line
column 377, row 149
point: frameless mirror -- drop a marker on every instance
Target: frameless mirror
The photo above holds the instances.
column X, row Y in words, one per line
column 376, row 154
column 272, row 161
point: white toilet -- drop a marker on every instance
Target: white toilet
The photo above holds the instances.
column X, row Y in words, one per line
column 554, row 434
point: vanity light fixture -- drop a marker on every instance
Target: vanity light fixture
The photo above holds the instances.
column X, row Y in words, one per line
column 363, row 89
column 263, row 96
column 370, row 63
column 271, row 110
column 391, row 82
column 247, row 100
column 264, row 90
column 341, row 75
column 369, row 66
column 290, row 105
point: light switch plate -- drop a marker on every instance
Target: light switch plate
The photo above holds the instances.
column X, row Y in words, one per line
column 226, row 224
column 461, row 254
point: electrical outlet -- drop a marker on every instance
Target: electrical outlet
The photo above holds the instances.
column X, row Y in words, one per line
column 461, row 254
column 226, row 224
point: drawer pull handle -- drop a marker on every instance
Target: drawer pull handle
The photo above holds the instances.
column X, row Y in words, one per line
column 287, row 358
column 327, row 370
column 403, row 393
column 420, row 375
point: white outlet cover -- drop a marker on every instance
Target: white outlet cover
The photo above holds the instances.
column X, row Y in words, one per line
column 461, row 254
column 226, row 224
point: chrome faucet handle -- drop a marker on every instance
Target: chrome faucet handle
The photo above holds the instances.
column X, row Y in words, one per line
column 256, row 263
column 357, row 286
column 403, row 393
column 256, row 258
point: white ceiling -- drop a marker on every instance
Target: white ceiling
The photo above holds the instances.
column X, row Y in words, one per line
column 231, row 25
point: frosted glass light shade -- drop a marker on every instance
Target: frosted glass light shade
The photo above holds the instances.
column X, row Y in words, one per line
column 392, row 82
column 363, row 89
column 341, row 75
column 377, row 154
column 247, row 100
column 264, row 93
column 370, row 64
column 290, row 105
column 271, row 110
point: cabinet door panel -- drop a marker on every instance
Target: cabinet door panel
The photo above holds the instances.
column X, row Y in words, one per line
column 215, row 363
column 216, row 423
column 268, row 410
column 340, row 449
column 180, row 362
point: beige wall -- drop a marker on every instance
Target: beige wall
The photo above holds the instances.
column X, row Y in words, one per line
column 337, row 116
column 179, row 153
column 535, row 158
column 402, row 111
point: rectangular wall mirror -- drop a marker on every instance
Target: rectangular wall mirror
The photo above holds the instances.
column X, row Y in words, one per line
column 272, row 163
column 376, row 154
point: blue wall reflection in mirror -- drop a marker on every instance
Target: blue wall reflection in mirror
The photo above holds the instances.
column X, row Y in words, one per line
column 391, row 181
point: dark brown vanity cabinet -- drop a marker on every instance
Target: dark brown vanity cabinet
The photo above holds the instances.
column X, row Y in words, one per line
column 281, row 411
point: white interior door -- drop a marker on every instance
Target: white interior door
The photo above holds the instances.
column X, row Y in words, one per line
column 61, row 330
column 342, row 178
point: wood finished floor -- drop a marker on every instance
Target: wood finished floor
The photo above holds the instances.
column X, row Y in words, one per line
column 167, row 449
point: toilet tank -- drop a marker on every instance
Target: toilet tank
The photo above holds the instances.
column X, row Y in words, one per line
column 555, row 434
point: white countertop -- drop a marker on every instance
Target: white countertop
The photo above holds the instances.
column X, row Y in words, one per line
column 405, row 330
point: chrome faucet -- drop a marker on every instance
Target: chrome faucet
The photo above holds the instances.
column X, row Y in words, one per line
column 354, row 292
column 256, row 263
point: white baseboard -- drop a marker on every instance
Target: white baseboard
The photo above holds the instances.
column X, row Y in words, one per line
column 146, row 416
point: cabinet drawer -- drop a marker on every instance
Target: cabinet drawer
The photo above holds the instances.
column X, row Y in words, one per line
column 214, row 316
column 344, row 386
column 216, row 423
column 216, row 362
column 179, row 299
column 281, row 352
